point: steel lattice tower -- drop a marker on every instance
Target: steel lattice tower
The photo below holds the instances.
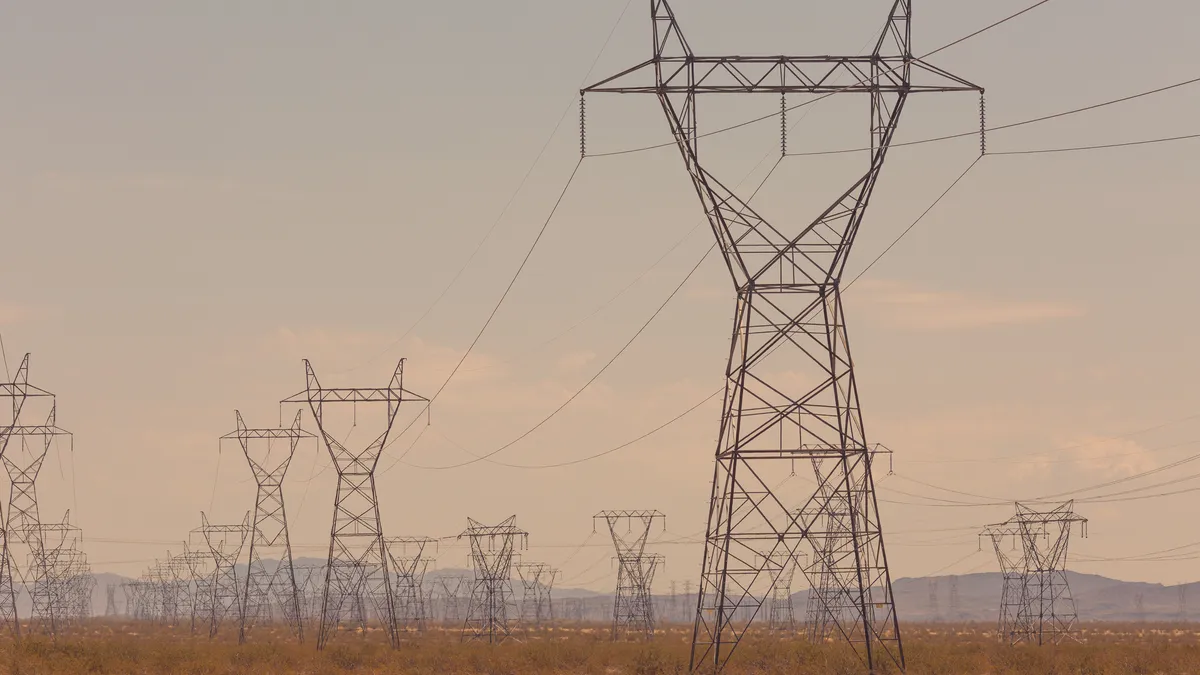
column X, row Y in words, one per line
column 406, row 556
column 537, row 589
column 781, row 616
column 790, row 388
column 110, row 600
column 491, row 604
column 452, row 589
column 225, row 543
column 269, row 453
column 1036, row 604
column 358, row 561
column 199, row 584
column 23, row 449
column 633, row 605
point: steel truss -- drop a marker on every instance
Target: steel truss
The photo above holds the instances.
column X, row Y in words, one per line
column 269, row 453
column 408, row 561
column 491, row 604
column 225, row 544
column 1036, row 604
column 790, row 388
column 358, row 560
column 452, row 588
column 23, row 449
column 633, row 604
column 537, row 590
column 781, row 615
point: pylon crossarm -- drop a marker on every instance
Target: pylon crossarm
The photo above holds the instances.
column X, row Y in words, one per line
column 781, row 75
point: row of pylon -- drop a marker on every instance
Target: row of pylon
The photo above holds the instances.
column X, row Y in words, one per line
column 40, row 561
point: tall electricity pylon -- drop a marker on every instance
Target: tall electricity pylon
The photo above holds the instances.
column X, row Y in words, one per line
column 633, row 605
column 492, row 551
column 406, row 556
column 225, row 544
column 1036, row 604
column 537, row 590
column 790, row 389
column 269, row 453
column 23, row 449
column 200, row 583
column 781, row 615
column 110, row 600
column 453, row 587
column 358, row 561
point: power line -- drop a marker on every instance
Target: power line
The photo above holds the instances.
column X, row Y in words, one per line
column 601, row 371
column 986, row 28
column 1106, row 146
column 508, row 205
column 507, row 289
column 917, row 221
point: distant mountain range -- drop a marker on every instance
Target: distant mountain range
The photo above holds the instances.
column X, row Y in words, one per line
column 970, row 597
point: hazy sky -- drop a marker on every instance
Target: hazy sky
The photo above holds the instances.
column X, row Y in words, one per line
column 196, row 196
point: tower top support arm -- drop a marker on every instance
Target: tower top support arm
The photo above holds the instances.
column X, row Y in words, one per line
column 870, row 74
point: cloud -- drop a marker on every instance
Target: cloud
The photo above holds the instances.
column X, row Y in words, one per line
column 1107, row 457
column 918, row 309
column 575, row 360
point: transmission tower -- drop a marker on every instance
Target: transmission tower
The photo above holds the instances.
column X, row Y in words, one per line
column 935, row 610
column 453, row 587
column 537, row 586
column 58, row 576
column 790, row 392
column 309, row 579
column 357, row 557
column 1036, row 604
column 955, row 609
column 492, row 551
column 199, row 583
column 269, row 453
column 23, row 448
column 110, row 600
column 633, row 606
column 781, row 616
column 406, row 556
column 225, row 544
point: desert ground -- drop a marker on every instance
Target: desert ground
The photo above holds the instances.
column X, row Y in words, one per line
column 932, row 649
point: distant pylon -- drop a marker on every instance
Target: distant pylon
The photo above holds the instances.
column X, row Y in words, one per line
column 198, row 563
column 225, row 543
column 23, row 449
column 791, row 393
column 1036, row 604
column 955, row 608
column 453, row 588
column 633, row 604
column 492, row 551
column 781, row 615
column 935, row 611
column 269, row 453
column 408, row 561
column 110, row 600
column 537, row 584
column 358, row 562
